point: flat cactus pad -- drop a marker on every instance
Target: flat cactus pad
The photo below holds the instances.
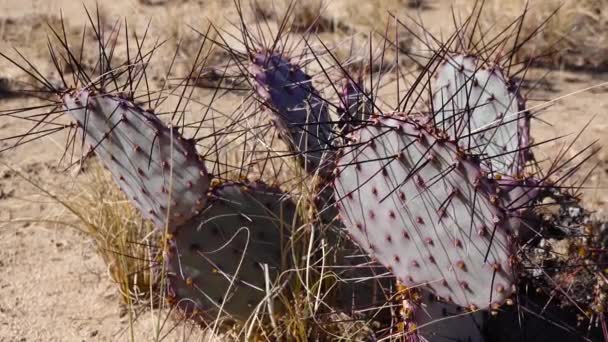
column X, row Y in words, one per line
column 475, row 104
column 216, row 259
column 424, row 209
column 159, row 171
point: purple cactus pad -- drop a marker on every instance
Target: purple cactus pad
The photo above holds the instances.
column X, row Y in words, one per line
column 297, row 110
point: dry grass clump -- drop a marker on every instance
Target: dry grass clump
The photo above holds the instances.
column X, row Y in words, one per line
column 574, row 36
column 123, row 239
column 185, row 25
column 368, row 16
column 302, row 15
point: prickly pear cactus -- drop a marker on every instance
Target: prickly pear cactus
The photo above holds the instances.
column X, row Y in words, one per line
column 477, row 105
column 159, row 170
column 298, row 112
column 355, row 108
column 424, row 208
column 216, row 260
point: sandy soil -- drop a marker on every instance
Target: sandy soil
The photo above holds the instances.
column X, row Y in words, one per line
column 53, row 287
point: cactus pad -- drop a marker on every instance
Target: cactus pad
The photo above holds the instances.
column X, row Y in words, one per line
column 298, row 112
column 424, row 208
column 477, row 106
column 242, row 228
column 159, row 170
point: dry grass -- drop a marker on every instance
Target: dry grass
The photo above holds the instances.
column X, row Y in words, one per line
column 121, row 237
column 182, row 22
column 576, row 36
column 338, row 16
column 302, row 16
column 346, row 28
column 368, row 16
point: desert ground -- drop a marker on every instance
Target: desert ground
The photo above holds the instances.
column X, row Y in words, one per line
column 54, row 286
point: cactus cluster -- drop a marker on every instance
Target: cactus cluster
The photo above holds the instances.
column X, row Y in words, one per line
column 439, row 201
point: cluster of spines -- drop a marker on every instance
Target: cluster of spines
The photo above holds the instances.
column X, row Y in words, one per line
column 355, row 107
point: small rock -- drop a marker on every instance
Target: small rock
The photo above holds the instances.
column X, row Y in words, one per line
column 550, row 206
column 153, row 2
column 574, row 212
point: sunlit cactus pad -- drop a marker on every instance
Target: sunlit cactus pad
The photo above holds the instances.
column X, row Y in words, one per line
column 476, row 104
column 423, row 208
column 299, row 113
column 216, row 260
column 159, row 171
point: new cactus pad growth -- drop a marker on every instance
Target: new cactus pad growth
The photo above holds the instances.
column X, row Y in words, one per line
column 298, row 112
column 216, row 260
column 159, row 171
column 477, row 105
column 424, row 208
